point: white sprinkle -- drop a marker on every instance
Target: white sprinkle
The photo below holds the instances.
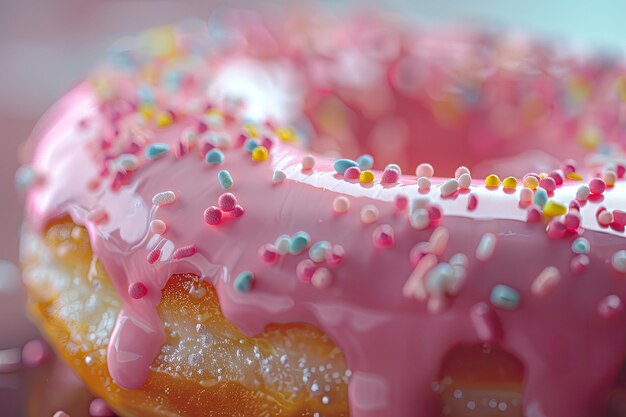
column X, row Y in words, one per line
column 449, row 187
column 308, row 162
column 582, row 193
column 545, row 281
column 465, row 180
column 619, row 261
column 460, row 171
column 164, row 198
column 605, row 218
column 279, row 176
column 526, row 195
column 609, row 178
column 126, row 162
column 282, row 244
column 419, row 219
column 423, row 183
column 341, row 204
column 485, row 247
column 158, row 226
column 424, row 170
column 459, row 259
column 439, row 240
column 220, row 140
column 369, row 214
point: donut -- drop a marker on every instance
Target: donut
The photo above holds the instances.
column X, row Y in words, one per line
column 295, row 216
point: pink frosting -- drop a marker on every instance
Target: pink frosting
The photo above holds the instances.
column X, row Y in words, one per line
column 565, row 332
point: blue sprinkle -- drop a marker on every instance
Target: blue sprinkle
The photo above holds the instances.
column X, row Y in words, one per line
column 243, row 282
column 541, row 197
column 396, row 167
column 155, row 150
column 251, row 144
column 145, row 94
column 318, row 251
column 214, row 156
column 225, row 179
column 365, row 162
column 505, row 297
column 341, row 165
column 580, row 245
column 25, row 176
column 299, row 241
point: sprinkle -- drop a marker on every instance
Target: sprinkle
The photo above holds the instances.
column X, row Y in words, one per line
column 366, row 177
column 449, row 187
column 485, row 322
column 572, row 221
column 383, row 236
column 282, row 244
column 341, row 165
column 597, row 186
column 423, row 183
column 214, row 156
column 619, row 218
column 533, row 215
column 556, row 229
column 414, row 286
column 322, row 278
column 472, row 202
column 352, row 173
column 225, row 179
column 610, row 306
column 365, row 161
column 505, row 297
column 369, row 214
column 526, row 196
column 155, row 150
column 582, row 193
column 278, row 176
column 509, row 183
column 164, row 119
column 267, row 142
column 486, row 247
column 394, row 167
column 158, row 226
column 419, row 219
column 434, row 213
column 545, row 282
column 259, row 154
column 619, row 261
column 184, row 252
column 390, row 176
column 164, row 198
column 237, row 211
column 531, row 182
column 557, row 177
column 621, row 170
column 465, row 180
column 541, row 197
column 25, row 177
column 492, row 181
column 341, row 204
column 579, row 264
column 553, row 209
column 250, row 145
column 308, row 162
column 61, row 413
column 227, row 202
column 609, row 178
column 99, row 408
column 305, row 270
column 137, row 290
column 268, row 253
column 547, row 184
column 335, row 255
column 127, row 162
column 439, row 240
column 317, row 252
column 574, row 176
column 418, row 251
column 424, row 170
column 400, row 202
column 298, row 242
column 604, row 217
column 212, row 216
column 460, row 171
column 243, row 282
column 154, row 256
column 419, row 202
column 580, row 246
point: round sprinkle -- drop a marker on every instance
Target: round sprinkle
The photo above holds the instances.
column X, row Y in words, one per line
column 212, row 216
column 618, row 261
column 298, row 242
column 609, row 178
column 509, row 183
column 369, row 214
column 237, row 211
column 460, row 171
column 250, row 145
column 214, row 156
column 35, row 353
column 419, row 219
column 492, row 181
column 486, row 247
column 572, row 221
column 390, row 176
column 556, row 229
column 547, row 184
column 154, row 150
column 308, row 162
column 259, row 154
column 352, row 173
column 557, row 177
column 541, row 197
column 610, row 306
column 322, row 278
column 341, row 165
column 99, row 408
column 137, row 290
column 318, row 251
column 394, row 166
column 305, row 270
column 424, row 170
column 227, row 202
column 604, row 217
column 365, row 161
column 383, row 236
column 282, row 244
column 580, row 246
column 335, row 255
column 597, row 186
column 579, row 264
column 472, row 202
column 401, row 202
column 61, row 413
column 268, row 253
column 531, row 181
column 185, row 252
column 553, row 209
column 367, row 177
column 164, row 198
column 582, row 193
column 243, row 282
column 545, row 282
column 423, row 183
column 619, row 218
column 278, row 176
column 341, row 204
column 526, row 196
column 465, row 180
column 158, row 226
column 225, row 179
column 505, row 297
column 154, row 256
column 449, row 187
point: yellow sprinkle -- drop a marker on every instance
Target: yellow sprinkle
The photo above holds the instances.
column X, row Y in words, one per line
column 252, row 130
column 574, row 176
column 543, row 174
column 259, row 154
column 286, row 134
column 147, row 110
column 553, row 209
column 366, row 176
column 164, row 119
column 531, row 182
column 509, row 182
column 492, row 180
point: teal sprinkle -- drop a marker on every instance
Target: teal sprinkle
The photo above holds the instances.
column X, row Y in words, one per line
column 318, row 251
column 225, row 179
column 580, row 245
column 251, row 144
column 541, row 197
column 172, row 79
column 395, row 167
column 145, row 94
column 299, row 241
column 365, row 162
column 25, row 176
column 505, row 297
column 243, row 282
column 341, row 165
column 214, row 156
column 155, row 150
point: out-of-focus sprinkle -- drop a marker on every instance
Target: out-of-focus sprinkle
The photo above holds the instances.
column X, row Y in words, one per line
column 341, row 204
column 424, row 170
column 369, row 214
column 505, row 297
column 486, row 247
column 545, row 282
column 308, row 162
column 383, row 236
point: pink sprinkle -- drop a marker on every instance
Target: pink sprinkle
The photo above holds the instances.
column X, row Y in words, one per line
column 545, row 281
column 212, row 216
column 154, row 256
column 418, row 251
column 334, row 257
column 434, row 213
column 557, row 177
column 401, row 202
column 572, row 221
column 227, row 202
column 604, row 217
column 322, row 278
column 99, row 408
column 305, row 270
column 439, row 240
column 241, row 139
column 201, row 127
column 472, row 202
column 35, row 353
column 532, row 174
column 621, row 170
column 568, row 166
column 383, row 236
column 237, row 211
column 579, row 264
column 61, row 413
column 352, row 173
column 556, row 229
column 268, row 253
column 184, row 252
column 267, row 142
column 137, row 290
column 158, row 226
column 597, row 186
column 525, row 196
column 390, row 176
column 610, row 306
column 548, row 184
column 574, row 204
column 485, row 322
column 619, row 218
column 205, row 147
column 533, row 215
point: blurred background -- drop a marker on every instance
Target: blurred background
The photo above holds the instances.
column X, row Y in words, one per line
column 48, row 46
